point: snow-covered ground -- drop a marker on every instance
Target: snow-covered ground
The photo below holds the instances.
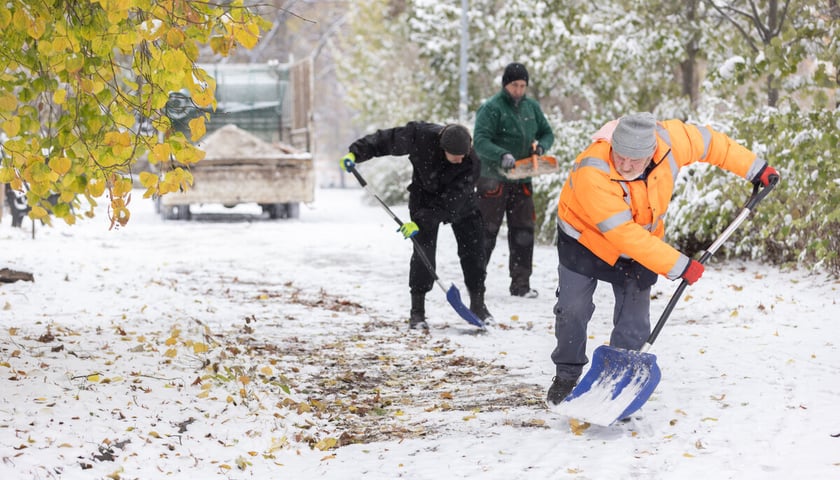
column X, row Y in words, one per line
column 233, row 346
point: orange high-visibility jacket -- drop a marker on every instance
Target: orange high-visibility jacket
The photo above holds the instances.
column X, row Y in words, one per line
column 614, row 217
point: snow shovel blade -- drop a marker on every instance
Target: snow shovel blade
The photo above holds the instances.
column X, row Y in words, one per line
column 619, row 383
column 454, row 298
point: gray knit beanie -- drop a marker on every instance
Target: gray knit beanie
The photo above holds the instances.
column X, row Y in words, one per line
column 455, row 139
column 634, row 136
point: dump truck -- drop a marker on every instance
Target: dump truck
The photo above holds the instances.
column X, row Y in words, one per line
column 257, row 144
column 242, row 168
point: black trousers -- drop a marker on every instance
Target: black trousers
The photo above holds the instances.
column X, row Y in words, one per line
column 498, row 200
column 469, row 235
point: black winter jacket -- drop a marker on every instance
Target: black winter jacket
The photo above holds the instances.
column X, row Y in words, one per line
column 439, row 191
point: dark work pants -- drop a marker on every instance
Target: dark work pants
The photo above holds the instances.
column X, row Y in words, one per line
column 498, row 200
column 574, row 309
column 469, row 235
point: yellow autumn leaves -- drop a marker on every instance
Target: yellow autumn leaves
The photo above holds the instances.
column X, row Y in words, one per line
column 69, row 114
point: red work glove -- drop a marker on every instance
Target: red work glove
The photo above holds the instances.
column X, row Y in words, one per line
column 765, row 175
column 693, row 272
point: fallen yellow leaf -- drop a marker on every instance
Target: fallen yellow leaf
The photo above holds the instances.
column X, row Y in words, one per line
column 326, row 443
column 577, row 426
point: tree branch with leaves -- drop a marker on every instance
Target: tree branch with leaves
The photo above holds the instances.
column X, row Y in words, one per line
column 84, row 90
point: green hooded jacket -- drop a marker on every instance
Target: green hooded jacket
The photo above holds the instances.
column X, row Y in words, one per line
column 503, row 127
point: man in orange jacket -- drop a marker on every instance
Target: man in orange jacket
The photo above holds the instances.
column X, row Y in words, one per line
column 610, row 220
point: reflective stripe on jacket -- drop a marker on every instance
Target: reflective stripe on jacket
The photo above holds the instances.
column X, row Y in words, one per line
column 614, row 217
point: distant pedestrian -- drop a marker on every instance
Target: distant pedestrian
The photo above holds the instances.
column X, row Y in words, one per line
column 510, row 126
column 611, row 224
column 442, row 190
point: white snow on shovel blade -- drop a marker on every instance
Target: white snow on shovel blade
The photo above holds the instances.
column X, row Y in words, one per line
column 597, row 405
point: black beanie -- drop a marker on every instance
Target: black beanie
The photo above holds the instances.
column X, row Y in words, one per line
column 513, row 72
column 455, row 139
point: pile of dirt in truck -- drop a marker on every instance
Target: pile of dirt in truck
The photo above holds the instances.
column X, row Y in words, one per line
column 242, row 168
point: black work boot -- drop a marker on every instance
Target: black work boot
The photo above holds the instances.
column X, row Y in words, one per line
column 522, row 288
column 417, row 318
column 479, row 308
column 560, row 389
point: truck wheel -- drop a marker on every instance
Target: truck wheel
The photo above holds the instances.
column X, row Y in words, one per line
column 276, row 210
column 184, row 212
column 175, row 212
column 283, row 210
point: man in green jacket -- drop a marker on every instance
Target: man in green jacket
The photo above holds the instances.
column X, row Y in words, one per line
column 510, row 126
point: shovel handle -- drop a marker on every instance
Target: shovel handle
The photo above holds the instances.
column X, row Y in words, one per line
column 757, row 195
column 418, row 248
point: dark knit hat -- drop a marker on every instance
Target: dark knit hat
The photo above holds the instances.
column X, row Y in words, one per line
column 634, row 136
column 455, row 139
column 513, row 72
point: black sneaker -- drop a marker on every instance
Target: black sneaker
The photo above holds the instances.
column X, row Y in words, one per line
column 417, row 322
column 560, row 389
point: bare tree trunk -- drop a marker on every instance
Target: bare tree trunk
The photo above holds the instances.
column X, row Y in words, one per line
column 773, row 31
column 772, row 92
column 689, row 67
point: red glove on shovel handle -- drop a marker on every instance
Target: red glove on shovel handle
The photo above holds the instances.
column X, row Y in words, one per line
column 693, row 272
column 767, row 174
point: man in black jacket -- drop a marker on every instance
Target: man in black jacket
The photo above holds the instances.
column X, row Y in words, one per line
column 442, row 190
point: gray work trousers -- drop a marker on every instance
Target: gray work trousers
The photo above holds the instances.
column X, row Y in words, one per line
column 574, row 309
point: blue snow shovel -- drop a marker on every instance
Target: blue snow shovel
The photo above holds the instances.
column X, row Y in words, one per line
column 453, row 296
column 620, row 381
